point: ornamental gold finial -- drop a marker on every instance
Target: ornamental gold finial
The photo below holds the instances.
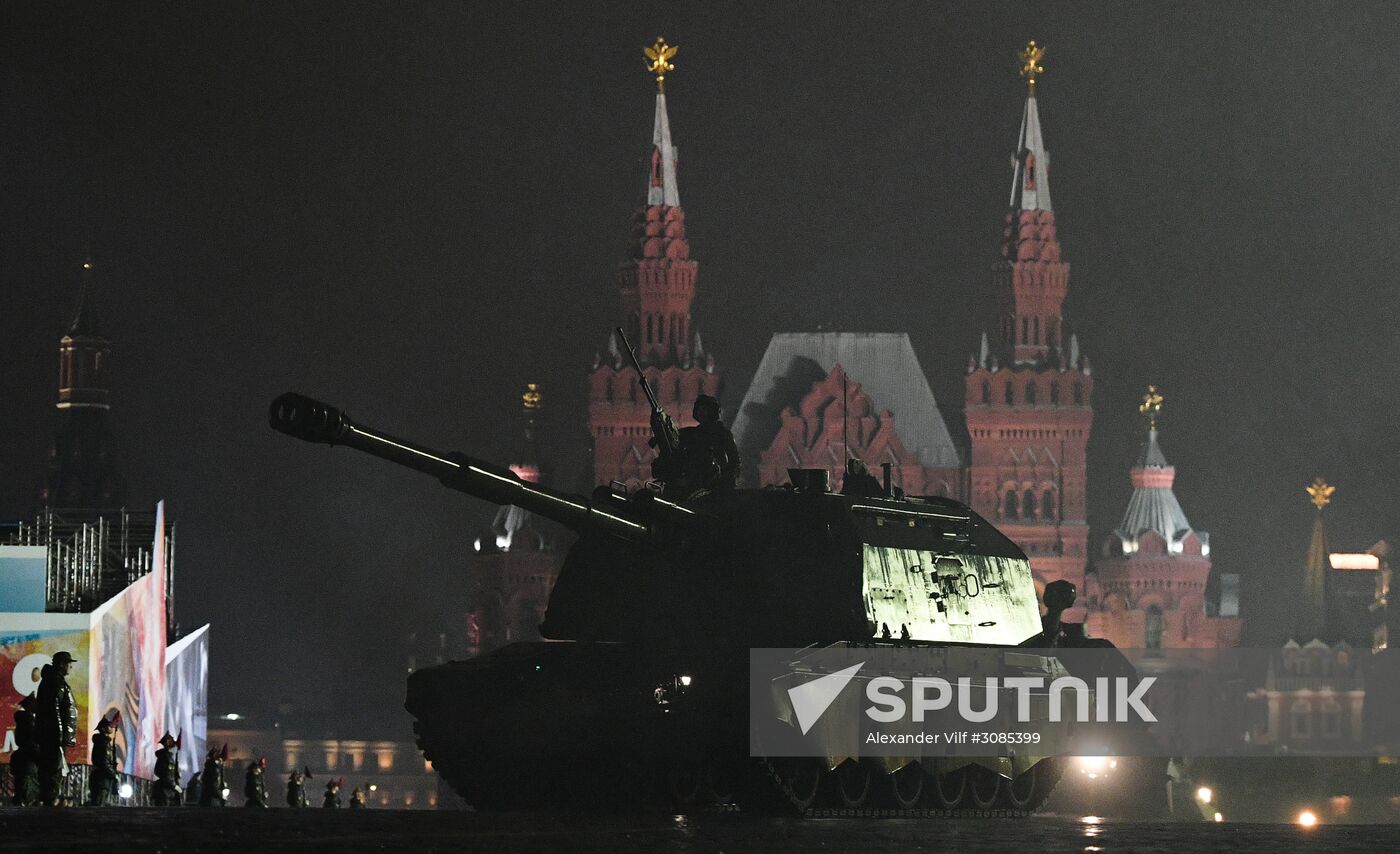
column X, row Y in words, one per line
column 1030, row 64
column 532, row 398
column 1321, row 493
column 660, row 55
column 1151, row 402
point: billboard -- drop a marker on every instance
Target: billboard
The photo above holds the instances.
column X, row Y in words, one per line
column 27, row 643
column 23, row 578
column 186, row 687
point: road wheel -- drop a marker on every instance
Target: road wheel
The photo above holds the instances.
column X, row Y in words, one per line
column 854, row 782
column 982, row 787
column 907, row 786
column 947, row 790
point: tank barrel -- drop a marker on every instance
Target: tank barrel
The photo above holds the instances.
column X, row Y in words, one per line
column 314, row 421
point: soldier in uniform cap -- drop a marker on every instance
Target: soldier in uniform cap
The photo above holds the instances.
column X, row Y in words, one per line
column 55, row 726
column 211, row 781
column 296, row 789
column 255, row 784
column 166, row 792
column 332, row 798
column 709, row 459
column 102, row 777
column 22, row 757
column 357, row 799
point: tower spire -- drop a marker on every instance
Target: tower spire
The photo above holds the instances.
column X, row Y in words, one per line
column 85, row 316
column 81, row 473
column 1315, row 565
column 1030, row 187
column 661, row 186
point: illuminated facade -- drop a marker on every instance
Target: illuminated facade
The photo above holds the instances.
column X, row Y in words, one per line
column 516, row 562
column 392, row 774
column 1149, row 588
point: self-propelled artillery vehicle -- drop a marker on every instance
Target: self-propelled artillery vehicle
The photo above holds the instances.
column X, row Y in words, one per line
column 640, row 694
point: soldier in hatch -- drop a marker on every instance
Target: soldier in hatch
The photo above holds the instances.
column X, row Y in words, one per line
column 707, row 459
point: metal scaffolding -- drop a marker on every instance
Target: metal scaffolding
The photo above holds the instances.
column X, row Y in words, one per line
column 94, row 554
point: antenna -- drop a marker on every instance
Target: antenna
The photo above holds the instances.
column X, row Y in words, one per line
column 845, row 398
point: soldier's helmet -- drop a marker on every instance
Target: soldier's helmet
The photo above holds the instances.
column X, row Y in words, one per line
column 104, row 725
column 707, row 404
column 167, row 740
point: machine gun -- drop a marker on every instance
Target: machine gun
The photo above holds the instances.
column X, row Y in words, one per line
column 664, row 436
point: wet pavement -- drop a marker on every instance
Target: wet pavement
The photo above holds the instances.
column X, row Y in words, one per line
column 234, row 828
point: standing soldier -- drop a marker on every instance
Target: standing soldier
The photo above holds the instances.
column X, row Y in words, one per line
column 22, row 757
column 167, row 789
column 709, row 457
column 55, row 726
column 211, row 782
column 332, row 798
column 296, row 789
column 255, row 784
column 102, row 778
column 357, row 799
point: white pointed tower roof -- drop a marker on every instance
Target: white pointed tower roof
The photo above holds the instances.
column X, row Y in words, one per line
column 661, row 187
column 1030, row 185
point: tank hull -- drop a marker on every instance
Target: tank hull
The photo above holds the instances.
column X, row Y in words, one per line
column 616, row 726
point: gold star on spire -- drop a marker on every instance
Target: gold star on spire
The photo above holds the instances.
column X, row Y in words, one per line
column 660, row 55
column 532, row 398
column 1151, row 402
column 1030, row 64
column 1321, row 493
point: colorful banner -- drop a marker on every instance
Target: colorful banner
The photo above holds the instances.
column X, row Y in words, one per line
column 128, row 662
column 186, row 687
column 27, row 643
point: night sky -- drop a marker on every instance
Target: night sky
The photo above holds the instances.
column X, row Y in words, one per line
column 411, row 209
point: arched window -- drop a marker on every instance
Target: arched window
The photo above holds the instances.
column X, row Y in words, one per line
column 1025, row 330
column 1010, row 395
column 651, row 328
column 1047, row 504
column 1301, row 715
column 1012, row 510
column 1028, row 504
column 1036, row 326
column 1054, row 394
column 986, row 392
column 1154, row 627
column 1030, row 392
column 1079, row 393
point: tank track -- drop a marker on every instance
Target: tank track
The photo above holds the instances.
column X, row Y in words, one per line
column 774, row 787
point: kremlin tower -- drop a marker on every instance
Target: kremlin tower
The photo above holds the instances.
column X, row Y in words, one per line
column 1028, row 391
column 1155, row 567
column 81, row 472
column 657, row 285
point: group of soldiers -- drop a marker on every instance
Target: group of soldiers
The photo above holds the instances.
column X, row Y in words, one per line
column 46, row 724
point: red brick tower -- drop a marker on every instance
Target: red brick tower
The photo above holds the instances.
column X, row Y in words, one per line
column 1155, row 567
column 1028, row 397
column 657, row 283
